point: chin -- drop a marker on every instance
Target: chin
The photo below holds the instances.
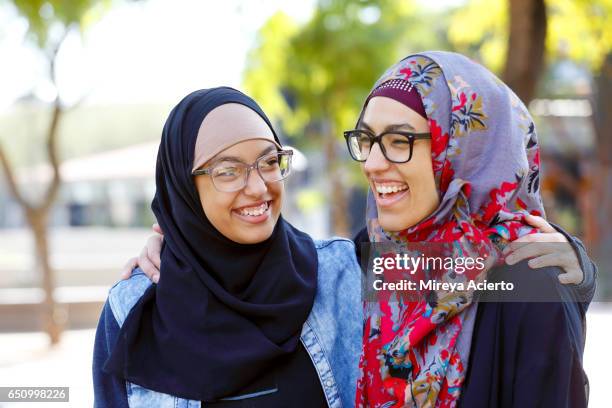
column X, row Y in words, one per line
column 394, row 223
column 254, row 238
column 256, row 235
column 388, row 224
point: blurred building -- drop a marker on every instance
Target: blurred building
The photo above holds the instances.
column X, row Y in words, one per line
column 113, row 188
column 565, row 124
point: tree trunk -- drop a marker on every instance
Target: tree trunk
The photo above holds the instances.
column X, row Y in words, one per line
column 37, row 217
column 526, row 45
column 602, row 184
column 339, row 211
column 54, row 318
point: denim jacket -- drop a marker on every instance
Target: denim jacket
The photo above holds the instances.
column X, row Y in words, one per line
column 331, row 334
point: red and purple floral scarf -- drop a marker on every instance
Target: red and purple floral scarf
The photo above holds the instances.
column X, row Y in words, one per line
column 486, row 164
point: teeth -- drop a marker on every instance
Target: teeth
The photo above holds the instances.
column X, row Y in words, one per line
column 382, row 189
column 254, row 211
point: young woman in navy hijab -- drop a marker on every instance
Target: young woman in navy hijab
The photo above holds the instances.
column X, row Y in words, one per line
column 243, row 315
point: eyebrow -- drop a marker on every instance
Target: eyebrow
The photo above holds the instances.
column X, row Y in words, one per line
column 265, row 151
column 395, row 126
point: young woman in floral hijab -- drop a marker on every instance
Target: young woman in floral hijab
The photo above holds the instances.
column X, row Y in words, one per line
column 451, row 155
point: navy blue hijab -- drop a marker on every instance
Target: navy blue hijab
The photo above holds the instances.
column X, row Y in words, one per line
column 222, row 313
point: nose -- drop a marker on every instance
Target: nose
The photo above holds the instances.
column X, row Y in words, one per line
column 255, row 185
column 376, row 161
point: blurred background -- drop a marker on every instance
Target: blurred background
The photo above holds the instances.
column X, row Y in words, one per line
column 86, row 85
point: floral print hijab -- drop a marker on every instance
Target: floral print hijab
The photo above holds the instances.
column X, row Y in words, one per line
column 486, row 165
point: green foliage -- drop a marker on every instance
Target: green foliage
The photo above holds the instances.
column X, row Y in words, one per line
column 326, row 67
column 265, row 68
column 309, row 200
column 45, row 16
column 25, row 129
column 481, row 34
column 577, row 29
column 338, row 55
column 580, row 30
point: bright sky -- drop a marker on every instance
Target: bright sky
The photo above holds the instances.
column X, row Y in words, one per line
column 149, row 51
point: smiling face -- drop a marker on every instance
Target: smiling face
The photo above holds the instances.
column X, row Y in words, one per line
column 405, row 192
column 246, row 216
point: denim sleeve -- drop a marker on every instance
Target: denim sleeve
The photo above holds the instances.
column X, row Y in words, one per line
column 585, row 289
column 359, row 239
column 109, row 390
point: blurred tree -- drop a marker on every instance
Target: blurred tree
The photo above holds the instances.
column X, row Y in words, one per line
column 602, row 119
column 526, row 41
column 314, row 78
column 49, row 22
column 266, row 68
column 581, row 31
column 516, row 37
column 509, row 38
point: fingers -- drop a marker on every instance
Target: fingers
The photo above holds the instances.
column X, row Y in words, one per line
column 519, row 243
column 552, row 249
column 572, row 272
column 147, row 266
column 127, row 269
column 531, row 251
column 562, row 253
column 540, row 237
column 154, row 246
column 157, row 229
column 550, row 259
column 566, row 259
column 575, row 277
column 540, row 223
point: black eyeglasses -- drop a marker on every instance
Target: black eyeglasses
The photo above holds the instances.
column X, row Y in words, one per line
column 229, row 175
column 395, row 145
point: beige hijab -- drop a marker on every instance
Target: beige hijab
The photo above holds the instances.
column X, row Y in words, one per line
column 225, row 126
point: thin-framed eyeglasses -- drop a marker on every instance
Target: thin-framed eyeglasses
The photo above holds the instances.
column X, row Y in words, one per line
column 230, row 175
column 396, row 146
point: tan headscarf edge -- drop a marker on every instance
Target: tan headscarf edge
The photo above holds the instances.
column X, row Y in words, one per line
column 226, row 126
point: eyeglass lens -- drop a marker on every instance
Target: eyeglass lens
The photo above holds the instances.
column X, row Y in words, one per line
column 232, row 176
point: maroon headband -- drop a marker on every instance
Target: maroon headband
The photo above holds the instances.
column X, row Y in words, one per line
column 401, row 91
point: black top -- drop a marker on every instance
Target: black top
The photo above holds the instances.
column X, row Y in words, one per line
column 527, row 354
column 292, row 383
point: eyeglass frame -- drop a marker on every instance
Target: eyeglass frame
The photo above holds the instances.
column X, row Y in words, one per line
column 249, row 167
column 378, row 138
